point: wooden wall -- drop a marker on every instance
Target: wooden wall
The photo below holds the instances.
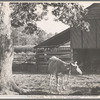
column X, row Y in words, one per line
column 83, row 39
column 42, row 59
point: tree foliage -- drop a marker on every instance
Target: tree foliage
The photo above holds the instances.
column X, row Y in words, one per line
column 71, row 14
column 24, row 13
column 20, row 37
column 68, row 13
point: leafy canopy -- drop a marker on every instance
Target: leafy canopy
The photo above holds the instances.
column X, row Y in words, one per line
column 29, row 13
column 71, row 14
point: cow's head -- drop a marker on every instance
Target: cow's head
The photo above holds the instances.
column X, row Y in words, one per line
column 75, row 68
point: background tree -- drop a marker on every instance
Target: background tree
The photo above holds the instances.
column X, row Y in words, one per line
column 22, row 36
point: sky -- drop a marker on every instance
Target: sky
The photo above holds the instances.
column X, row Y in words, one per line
column 50, row 26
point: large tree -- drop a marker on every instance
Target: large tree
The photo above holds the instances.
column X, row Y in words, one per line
column 6, row 52
column 23, row 14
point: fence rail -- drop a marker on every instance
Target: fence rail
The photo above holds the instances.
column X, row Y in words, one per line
column 24, row 57
column 42, row 57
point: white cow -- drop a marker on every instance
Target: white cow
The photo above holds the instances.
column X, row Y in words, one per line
column 56, row 66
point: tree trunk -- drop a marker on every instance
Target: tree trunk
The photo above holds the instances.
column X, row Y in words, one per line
column 7, row 83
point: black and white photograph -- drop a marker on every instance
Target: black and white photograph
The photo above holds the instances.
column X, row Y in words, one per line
column 49, row 48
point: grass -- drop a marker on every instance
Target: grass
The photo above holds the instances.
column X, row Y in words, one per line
column 38, row 84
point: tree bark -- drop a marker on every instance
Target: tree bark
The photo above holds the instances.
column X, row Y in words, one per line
column 7, row 83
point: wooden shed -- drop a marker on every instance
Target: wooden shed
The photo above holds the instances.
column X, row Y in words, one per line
column 58, row 45
column 86, row 45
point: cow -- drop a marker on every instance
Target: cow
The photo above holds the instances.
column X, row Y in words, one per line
column 57, row 66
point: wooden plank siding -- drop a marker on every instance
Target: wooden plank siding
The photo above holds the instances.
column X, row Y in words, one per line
column 98, row 33
column 89, row 38
column 86, row 40
column 42, row 60
column 93, row 11
column 76, row 41
column 22, row 58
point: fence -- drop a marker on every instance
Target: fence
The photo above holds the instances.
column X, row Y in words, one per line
column 42, row 56
column 63, row 53
column 20, row 58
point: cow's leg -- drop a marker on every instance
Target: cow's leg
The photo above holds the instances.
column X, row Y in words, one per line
column 50, row 79
column 68, row 79
column 63, row 80
column 57, row 83
column 50, row 82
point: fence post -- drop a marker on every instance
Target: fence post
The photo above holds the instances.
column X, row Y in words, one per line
column 71, row 55
column 37, row 60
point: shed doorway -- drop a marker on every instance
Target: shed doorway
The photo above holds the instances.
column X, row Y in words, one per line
column 88, row 60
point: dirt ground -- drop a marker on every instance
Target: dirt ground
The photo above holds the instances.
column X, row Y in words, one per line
column 38, row 84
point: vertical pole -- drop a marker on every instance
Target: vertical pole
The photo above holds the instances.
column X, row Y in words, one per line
column 71, row 49
column 71, row 54
column 37, row 58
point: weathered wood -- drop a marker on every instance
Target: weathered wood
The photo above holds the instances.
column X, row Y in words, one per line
column 54, row 53
column 42, row 59
column 98, row 33
column 89, row 38
column 60, row 56
column 93, row 11
column 82, row 39
column 76, row 38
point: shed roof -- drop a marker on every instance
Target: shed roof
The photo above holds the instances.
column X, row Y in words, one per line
column 56, row 41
